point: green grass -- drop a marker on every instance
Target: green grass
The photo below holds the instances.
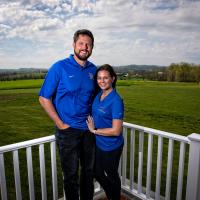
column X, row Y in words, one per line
column 21, row 119
column 172, row 107
column 20, row 84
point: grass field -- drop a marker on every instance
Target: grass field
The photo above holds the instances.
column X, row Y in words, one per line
column 172, row 107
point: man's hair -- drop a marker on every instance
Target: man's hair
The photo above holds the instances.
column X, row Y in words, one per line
column 83, row 32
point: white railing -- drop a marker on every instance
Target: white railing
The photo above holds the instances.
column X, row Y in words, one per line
column 14, row 148
column 149, row 142
column 135, row 135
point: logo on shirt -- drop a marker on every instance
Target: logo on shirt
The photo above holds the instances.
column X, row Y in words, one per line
column 71, row 76
column 91, row 76
column 101, row 109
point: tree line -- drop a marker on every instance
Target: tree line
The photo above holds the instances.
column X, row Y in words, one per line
column 176, row 72
column 9, row 75
column 181, row 72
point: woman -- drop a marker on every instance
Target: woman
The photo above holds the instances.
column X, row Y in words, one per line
column 106, row 124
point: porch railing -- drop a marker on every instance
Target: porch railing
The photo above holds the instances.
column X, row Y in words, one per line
column 145, row 154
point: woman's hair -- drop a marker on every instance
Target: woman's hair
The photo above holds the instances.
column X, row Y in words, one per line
column 110, row 70
column 112, row 73
column 83, row 32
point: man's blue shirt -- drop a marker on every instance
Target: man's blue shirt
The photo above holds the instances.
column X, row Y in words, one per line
column 103, row 112
column 70, row 86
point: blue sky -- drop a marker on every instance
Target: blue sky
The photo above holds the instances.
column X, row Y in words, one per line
column 36, row 33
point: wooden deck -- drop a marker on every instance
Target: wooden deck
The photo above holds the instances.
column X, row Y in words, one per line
column 123, row 197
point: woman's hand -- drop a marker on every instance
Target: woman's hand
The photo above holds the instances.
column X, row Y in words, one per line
column 90, row 124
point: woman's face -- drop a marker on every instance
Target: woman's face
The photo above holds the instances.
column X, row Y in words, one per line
column 104, row 80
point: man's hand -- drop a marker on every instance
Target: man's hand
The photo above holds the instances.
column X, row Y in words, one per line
column 50, row 110
column 62, row 126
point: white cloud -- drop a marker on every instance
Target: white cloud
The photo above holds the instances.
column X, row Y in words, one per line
column 126, row 32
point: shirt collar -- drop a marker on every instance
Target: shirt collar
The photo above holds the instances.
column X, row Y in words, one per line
column 110, row 95
column 73, row 61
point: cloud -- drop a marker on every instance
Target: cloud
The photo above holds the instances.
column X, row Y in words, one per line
column 126, row 32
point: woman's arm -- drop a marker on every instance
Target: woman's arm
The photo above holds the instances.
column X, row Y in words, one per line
column 114, row 131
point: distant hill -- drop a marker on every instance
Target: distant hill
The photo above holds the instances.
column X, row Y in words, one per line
column 22, row 73
column 23, row 70
column 122, row 69
column 179, row 72
column 134, row 68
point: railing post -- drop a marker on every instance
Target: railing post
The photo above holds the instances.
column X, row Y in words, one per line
column 193, row 179
column 3, row 188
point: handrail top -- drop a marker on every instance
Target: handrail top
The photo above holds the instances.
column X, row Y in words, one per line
column 194, row 137
column 157, row 132
column 25, row 144
column 29, row 143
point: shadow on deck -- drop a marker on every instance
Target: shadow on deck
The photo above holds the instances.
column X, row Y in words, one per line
column 124, row 196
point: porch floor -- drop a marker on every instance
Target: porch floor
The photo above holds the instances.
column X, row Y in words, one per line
column 123, row 197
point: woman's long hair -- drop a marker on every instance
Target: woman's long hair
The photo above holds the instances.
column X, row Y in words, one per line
column 110, row 70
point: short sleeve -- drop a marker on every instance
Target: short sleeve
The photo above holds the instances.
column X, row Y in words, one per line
column 118, row 109
column 50, row 83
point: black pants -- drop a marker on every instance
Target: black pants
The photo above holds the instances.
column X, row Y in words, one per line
column 106, row 172
column 75, row 145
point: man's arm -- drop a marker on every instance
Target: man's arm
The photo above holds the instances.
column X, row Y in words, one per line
column 50, row 110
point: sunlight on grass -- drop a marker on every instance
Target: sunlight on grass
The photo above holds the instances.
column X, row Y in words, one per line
column 172, row 107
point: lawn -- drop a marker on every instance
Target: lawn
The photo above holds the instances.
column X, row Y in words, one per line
column 172, row 107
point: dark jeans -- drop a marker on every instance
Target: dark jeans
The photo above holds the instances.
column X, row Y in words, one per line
column 75, row 145
column 106, row 172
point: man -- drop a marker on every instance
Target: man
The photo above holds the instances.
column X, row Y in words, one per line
column 66, row 95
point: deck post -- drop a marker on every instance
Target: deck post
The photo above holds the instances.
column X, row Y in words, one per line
column 193, row 179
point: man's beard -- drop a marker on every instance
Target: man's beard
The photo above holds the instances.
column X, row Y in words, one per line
column 83, row 58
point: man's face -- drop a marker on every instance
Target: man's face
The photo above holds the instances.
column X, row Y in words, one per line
column 83, row 47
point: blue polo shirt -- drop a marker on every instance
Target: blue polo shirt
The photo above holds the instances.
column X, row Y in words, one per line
column 103, row 112
column 70, row 86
